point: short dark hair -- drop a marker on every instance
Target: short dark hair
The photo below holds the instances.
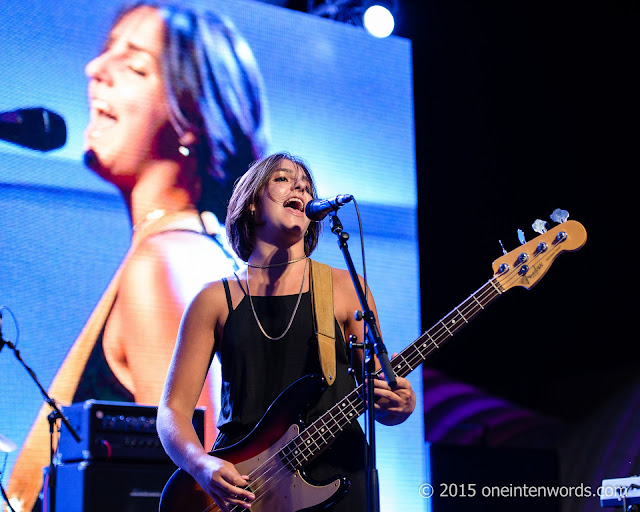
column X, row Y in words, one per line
column 214, row 90
column 240, row 222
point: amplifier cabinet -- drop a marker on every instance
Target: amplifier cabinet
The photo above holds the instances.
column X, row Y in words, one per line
column 117, row 431
column 98, row 486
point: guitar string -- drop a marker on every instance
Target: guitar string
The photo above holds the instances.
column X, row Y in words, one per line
column 261, row 478
column 284, row 470
column 438, row 330
column 442, row 334
column 266, row 478
column 472, row 308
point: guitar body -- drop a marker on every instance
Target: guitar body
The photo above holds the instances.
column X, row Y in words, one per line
column 276, row 450
column 285, row 490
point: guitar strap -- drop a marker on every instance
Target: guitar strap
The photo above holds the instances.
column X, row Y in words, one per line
column 324, row 318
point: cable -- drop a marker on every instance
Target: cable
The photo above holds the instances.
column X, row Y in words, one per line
column 15, row 323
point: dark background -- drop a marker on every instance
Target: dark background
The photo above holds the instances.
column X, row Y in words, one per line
column 521, row 108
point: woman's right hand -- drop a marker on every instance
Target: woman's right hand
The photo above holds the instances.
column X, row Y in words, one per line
column 221, row 480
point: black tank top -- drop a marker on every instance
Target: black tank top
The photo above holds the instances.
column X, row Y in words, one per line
column 255, row 370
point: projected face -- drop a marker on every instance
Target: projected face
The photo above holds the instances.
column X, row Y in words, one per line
column 129, row 124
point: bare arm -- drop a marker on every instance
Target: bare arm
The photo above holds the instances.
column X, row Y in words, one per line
column 184, row 383
column 159, row 280
column 393, row 406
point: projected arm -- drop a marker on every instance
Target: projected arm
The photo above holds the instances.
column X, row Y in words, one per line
column 159, row 280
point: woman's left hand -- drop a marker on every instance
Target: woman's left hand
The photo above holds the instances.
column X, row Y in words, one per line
column 393, row 405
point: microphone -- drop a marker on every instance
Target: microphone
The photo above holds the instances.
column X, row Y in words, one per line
column 33, row 128
column 317, row 209
column 2, row 341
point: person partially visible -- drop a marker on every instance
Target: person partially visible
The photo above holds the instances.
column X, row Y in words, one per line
column 259, row 322
column 177, row 114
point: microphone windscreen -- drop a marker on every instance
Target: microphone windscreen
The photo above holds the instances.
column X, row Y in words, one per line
column 34, row 128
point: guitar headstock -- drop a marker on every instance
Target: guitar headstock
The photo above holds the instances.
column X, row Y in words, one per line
column 527, row 264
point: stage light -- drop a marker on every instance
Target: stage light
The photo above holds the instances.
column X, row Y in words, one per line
column 378, row 21
column 376, row 16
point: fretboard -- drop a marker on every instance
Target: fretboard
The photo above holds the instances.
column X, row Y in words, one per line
column 322, row 432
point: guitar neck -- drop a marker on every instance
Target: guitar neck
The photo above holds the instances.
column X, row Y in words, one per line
column 322, row 432
column 416, row 353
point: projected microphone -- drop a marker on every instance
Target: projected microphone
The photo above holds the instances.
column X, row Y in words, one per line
column 317, row 209
column 3, row 342
column 1, row 338
column 33, row 128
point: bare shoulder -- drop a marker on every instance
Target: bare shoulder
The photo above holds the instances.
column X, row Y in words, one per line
column 345, row 299
column 156, row 256
column 211, row 297
column 343, row 283
column 176, row 264
column 176, row 246
column 340, row 277
column 209, row 308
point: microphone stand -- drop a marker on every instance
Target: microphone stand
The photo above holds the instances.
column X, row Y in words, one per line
column 5, row 497
column 372, row 345
column 53, row 417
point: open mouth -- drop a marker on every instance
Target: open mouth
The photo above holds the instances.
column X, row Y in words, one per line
column 101, row 108
column 102, row 117
column 295, row 203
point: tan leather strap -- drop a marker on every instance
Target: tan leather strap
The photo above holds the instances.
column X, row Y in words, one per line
column 324, row 319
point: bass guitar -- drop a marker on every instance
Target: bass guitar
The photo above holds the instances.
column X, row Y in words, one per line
column 276, row 451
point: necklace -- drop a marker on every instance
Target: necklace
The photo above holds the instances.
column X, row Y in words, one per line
column 272, row 265
column 295, row 309
column 156, row 214
column 152, row 215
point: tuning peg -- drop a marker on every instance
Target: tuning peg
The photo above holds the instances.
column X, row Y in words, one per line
column 521, row 237
column 504, row 251
column 559, row 215
column 540, row 226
